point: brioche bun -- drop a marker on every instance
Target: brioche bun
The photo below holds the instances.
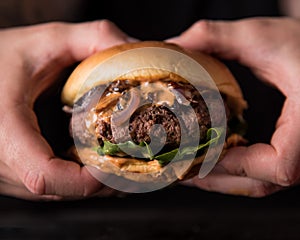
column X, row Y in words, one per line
column 126, row 167
column 221, row 75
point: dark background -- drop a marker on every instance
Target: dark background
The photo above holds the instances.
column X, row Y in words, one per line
column 176, row 212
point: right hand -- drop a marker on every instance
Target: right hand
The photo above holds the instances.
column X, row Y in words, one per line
column 31, row 58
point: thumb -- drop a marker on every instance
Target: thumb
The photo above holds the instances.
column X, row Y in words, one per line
column 58, row 45
column 30, row 157
column 249, row 41
column 253, row 42
column 67, row 43
column 214, row 37
column 85, row 39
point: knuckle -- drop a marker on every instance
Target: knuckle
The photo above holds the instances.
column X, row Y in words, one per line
column 202, row 26
column 107, row 35
column 104, row 25
column 209, row 32
column 35, row 182
column 46, row 38
column 285, row 175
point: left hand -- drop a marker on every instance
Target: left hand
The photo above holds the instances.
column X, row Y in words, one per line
column 270, row 48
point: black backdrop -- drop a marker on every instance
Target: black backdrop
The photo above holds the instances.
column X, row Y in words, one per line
column 177, row 212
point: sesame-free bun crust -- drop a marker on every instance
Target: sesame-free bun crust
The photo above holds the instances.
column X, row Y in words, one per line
column 222, row 77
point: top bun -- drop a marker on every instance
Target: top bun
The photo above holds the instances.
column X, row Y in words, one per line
column 222, row 77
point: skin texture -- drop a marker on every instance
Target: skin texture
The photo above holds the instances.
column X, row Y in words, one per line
column 28, row 167
column 270, row 48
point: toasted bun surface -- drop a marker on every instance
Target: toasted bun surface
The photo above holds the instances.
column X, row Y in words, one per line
column 222, row 77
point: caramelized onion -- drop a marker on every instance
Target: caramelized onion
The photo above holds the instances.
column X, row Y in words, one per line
column 121, row 116
column 180, row 97
column 107, row 100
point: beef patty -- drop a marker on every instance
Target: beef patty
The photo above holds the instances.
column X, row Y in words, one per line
column 145, row 117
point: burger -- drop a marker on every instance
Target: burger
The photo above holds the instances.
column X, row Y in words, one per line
column 139, row 111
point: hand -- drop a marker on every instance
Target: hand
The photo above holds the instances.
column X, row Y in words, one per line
column 31, row 58
column 270, row 48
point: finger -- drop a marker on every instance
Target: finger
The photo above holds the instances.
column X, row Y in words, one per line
column 241, row 40
column 278, row 162
column 72, row 42
column 244, row 40
column 220, row 181
column 57, row 45
column 99, row 35
column 8, row 176
column 254, row 42
column 33, row 161
column 228, row 39
column 7, row 189
column 210, row 36
column 26, row 152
